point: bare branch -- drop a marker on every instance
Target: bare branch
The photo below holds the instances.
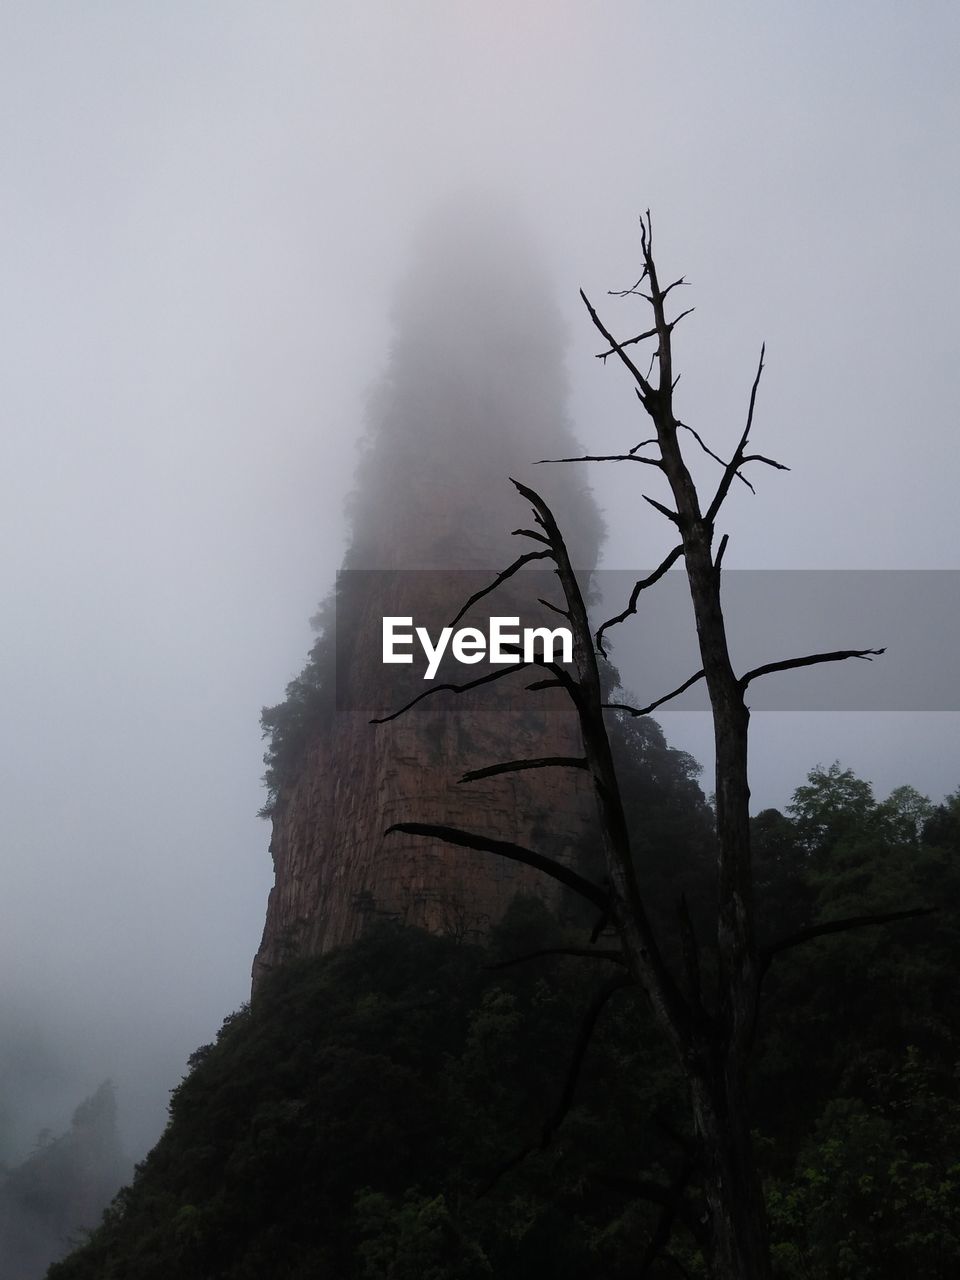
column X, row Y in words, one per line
column 501, row 578
column 676, row 285
column 588, row 953
column 573, row 1074
column 811, row 660
column 664, row 511
column 646, row 240
column 649, row 333
column 707, row 450
column 701, row 442
column 720, row 550
column 517, row 766
column 643, row 443
column 645, row 711
column 641, row 337
column 633, row 290
column 555, row 607
column 759, row 457
column 587, row 1027
column 737, row 460
column 631, row 608
column 529, row 533
column 561, row 678
column 505, row 849
column 840, row 926
column 605, row 457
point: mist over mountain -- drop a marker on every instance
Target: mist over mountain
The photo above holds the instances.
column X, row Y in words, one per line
column 475, row 391
column 58, row 1193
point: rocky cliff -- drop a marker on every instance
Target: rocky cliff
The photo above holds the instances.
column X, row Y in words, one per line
column 472, row 394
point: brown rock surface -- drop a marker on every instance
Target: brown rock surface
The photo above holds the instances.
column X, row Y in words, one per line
column 473, row 394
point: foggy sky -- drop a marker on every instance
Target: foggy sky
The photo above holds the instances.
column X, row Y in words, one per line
column 206, row 210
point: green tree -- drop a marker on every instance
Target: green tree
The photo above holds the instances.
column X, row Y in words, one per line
column 832, row 803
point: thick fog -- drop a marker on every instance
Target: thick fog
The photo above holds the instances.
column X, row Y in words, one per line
column 207, row 210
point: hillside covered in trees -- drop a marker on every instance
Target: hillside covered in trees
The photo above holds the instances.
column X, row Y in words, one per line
column 405, row 1107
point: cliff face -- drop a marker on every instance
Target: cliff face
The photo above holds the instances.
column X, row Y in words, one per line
column 472, row 395
column 335, row 870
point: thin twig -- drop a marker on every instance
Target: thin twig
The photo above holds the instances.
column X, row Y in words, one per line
column 502, row 577
column 645, row 711
column 642, row 585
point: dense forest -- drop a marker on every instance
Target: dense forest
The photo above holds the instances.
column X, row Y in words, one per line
column 406, row 1107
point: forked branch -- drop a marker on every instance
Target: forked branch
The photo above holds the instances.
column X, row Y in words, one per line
column 645, row 387
column 737, row 461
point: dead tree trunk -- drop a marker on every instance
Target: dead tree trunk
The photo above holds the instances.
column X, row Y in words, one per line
column 713, row 1048
column 711, row 1033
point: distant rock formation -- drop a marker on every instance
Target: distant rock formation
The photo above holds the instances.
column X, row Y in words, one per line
column 61, row 1190
column 473, row 394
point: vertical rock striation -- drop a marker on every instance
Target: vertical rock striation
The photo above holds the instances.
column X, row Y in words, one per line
column 473, row 394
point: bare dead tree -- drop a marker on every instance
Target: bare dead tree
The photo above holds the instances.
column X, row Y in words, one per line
column 711, row 1033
